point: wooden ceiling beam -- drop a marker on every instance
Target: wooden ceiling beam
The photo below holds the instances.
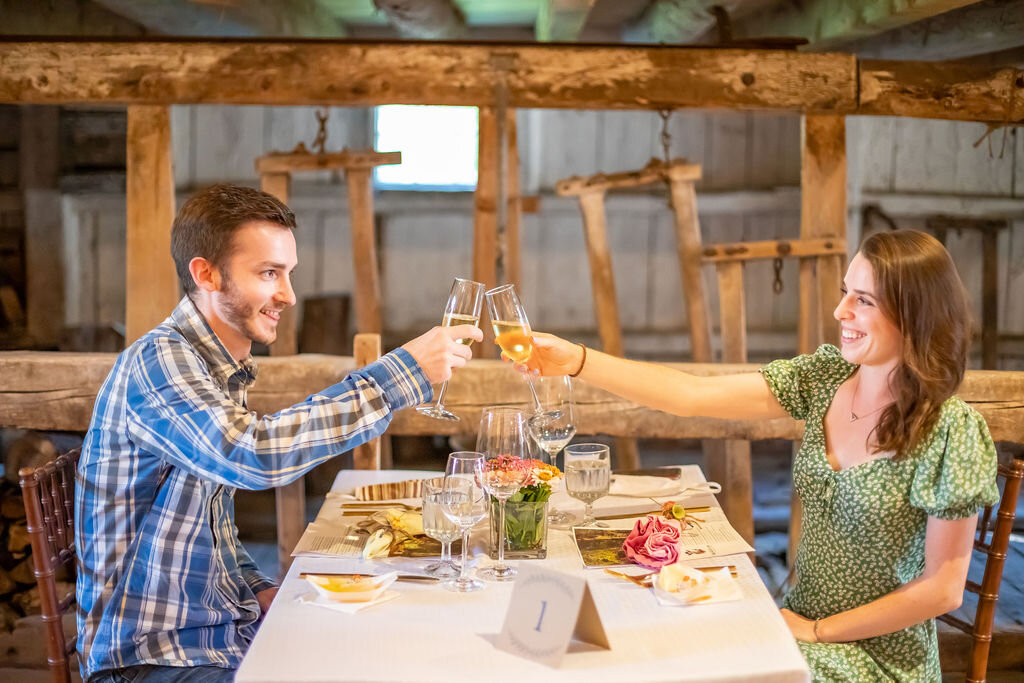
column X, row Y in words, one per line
column 562, row 21
column 250, row 19
column 828, row 23
column 677, row 22
column 536, row 76
column 64, row 18
column 424, row 19
column 981, row 28
column 366, row 74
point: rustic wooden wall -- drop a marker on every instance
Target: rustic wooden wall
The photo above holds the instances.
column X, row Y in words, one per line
column 425, row 238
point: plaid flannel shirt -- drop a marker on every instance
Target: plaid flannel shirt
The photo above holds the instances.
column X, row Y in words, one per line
column 162, row 578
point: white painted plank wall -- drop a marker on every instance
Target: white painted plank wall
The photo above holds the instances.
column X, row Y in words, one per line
column 427, row 239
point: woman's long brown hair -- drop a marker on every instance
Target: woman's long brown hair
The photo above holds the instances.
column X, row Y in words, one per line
column 919, row 289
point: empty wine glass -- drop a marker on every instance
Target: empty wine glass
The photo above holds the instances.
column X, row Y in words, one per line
column 462, row 308
column 503, row 441
column 588, row 476
column 437, row 526
column 464, row 502
column 554, row 427
column 511, row 328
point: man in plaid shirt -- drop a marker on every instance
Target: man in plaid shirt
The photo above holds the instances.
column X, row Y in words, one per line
column 165, row 590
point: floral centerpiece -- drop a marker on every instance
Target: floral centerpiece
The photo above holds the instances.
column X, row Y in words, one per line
column 526, row 514
column 654, row 540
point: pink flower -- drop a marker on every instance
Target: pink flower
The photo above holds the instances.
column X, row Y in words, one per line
column 653, row 542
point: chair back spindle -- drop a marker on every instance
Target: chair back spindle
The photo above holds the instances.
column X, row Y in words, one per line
column 995, row 548
column 48, row 493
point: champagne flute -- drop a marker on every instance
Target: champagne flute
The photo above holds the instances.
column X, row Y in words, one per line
column 502, row 440
column 588, row 476
column 462, row 308
column 464, row 502
column 437, row 526
column 511, row 328
column 554, row 427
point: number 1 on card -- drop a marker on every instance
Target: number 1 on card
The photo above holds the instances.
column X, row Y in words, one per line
column 543, row 608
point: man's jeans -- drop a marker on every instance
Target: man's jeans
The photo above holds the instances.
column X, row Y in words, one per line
column 148, row 673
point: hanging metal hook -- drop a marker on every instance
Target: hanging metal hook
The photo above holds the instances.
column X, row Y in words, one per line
column 320, row 143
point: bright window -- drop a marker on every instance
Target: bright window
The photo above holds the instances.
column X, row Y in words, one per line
column 438, row 146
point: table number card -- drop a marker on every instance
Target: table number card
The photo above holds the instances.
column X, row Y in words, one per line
column 547, row 610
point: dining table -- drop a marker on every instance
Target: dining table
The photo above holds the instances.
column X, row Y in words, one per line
column 428, row 633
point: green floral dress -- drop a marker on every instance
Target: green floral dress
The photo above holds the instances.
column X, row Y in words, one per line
column 864, row 526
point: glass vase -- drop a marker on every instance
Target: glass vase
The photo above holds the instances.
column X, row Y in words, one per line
column 526, row 529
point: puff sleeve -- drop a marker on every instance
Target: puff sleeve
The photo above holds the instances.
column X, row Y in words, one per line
column 956, row 473
column 798, row 382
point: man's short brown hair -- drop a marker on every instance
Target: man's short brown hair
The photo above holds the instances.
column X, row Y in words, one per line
column 206, row 223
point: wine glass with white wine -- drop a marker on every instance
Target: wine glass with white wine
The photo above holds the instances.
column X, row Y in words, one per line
column 511, row 328
column 553, row 427
column 463, row 308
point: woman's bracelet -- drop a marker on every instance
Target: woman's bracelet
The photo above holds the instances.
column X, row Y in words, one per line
column 582, row 362
column 817, row 638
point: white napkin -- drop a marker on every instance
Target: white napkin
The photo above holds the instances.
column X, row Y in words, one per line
column 314, row 598
column 640, row 486
column 678, row 585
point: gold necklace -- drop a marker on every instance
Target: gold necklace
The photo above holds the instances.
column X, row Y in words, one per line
column 853, row 399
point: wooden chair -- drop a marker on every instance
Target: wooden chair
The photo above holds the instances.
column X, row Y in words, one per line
column 48, row 493
column 988, row 591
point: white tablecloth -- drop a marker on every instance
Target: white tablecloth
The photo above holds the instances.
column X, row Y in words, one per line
column 432, row 634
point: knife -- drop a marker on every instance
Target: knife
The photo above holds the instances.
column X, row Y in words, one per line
column 401, row 577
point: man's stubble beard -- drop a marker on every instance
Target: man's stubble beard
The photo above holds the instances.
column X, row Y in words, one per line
column 240, row 314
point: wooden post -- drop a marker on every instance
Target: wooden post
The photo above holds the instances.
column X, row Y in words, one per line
column 290, row 499
column 822, row 214
column 366, row 349
column 688, row 247
column 602, row 279
column 606, row 306
column 364, row 251
column 485, row 214
column 39, row 165
column 152, row 285
column 990, row 299
column 728, row 461
column 287, row 342
column 514, row 213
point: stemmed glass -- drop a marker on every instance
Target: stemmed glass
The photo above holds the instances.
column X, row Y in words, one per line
column 437, row 526
column 462, row 308
column 554, row 427
column 588, row 476
column 511, row 328
column 502, row 439
column 464, row 502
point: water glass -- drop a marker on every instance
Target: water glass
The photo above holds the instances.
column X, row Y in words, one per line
column 438, row 527
column 553, row 427
column 588, row 476
column 464, row 502
column 504, row 442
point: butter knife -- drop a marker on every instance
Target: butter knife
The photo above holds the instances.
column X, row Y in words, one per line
column 627, row 515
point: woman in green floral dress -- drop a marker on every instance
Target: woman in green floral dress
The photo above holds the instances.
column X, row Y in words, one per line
column 893, row 467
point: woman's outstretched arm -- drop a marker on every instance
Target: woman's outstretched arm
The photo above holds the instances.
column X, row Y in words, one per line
column 740, row 396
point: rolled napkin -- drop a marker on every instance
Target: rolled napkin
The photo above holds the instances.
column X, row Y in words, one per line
column 678, row 584
column 640, row 486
